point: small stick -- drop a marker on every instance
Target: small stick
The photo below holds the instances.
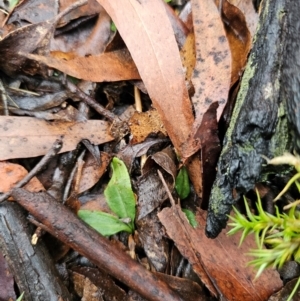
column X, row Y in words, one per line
column 89, row 101
column 67, row 227
column 56, row 147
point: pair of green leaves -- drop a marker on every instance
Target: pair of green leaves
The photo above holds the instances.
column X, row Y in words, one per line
column 120, row 199
column 183, row 189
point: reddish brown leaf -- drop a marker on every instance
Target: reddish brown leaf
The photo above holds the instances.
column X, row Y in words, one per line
column 11, row 174
column 155, row 53
column 212, row 72
column 111, row 66
column 220, row 258
column 239, row 38
column 247, row 8
column 23, row 137
column 210, row 151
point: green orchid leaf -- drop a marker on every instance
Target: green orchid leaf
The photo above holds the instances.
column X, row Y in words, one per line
column 191, row 217
column 182, row 183
column 21, row 297
column 104, row 223
column 118, row 193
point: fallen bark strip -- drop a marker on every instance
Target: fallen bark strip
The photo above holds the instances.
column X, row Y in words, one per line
column 66, row 226
column 32, row 266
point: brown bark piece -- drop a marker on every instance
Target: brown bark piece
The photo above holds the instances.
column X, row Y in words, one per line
column 62, row 223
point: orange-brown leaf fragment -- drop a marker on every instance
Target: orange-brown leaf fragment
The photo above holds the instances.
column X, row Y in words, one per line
column 23, row 137
column 145, row 123
column 11, row 174
column 221, row 258
column 110, row 66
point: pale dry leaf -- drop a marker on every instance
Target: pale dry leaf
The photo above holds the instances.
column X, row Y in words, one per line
column 211, row 78
column 23, row 137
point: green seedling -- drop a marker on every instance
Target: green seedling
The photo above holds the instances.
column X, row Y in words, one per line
column 21, row 297
column 182, row 183
column 120, row 199
column 191, row 217
column 281, row 232
column 183, row 189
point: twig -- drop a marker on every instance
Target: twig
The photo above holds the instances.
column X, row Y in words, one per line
column 69, row 9
column 67, row 227
column 56, row 147
column 89, row 101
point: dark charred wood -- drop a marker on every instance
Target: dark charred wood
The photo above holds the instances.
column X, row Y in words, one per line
column 32, row 266
column 259, row 123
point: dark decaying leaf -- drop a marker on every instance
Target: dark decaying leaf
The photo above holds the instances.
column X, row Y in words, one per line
column 90, row 8
column 248, row 9
column 151, row 193
column 26, row 11
column 220, row 258
column 130, row 152
column 105, row 284
column 153, row 240
column 189, row 290
column 210, row 151
column 27, row 101
column 23, row 137
column 26, row 39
